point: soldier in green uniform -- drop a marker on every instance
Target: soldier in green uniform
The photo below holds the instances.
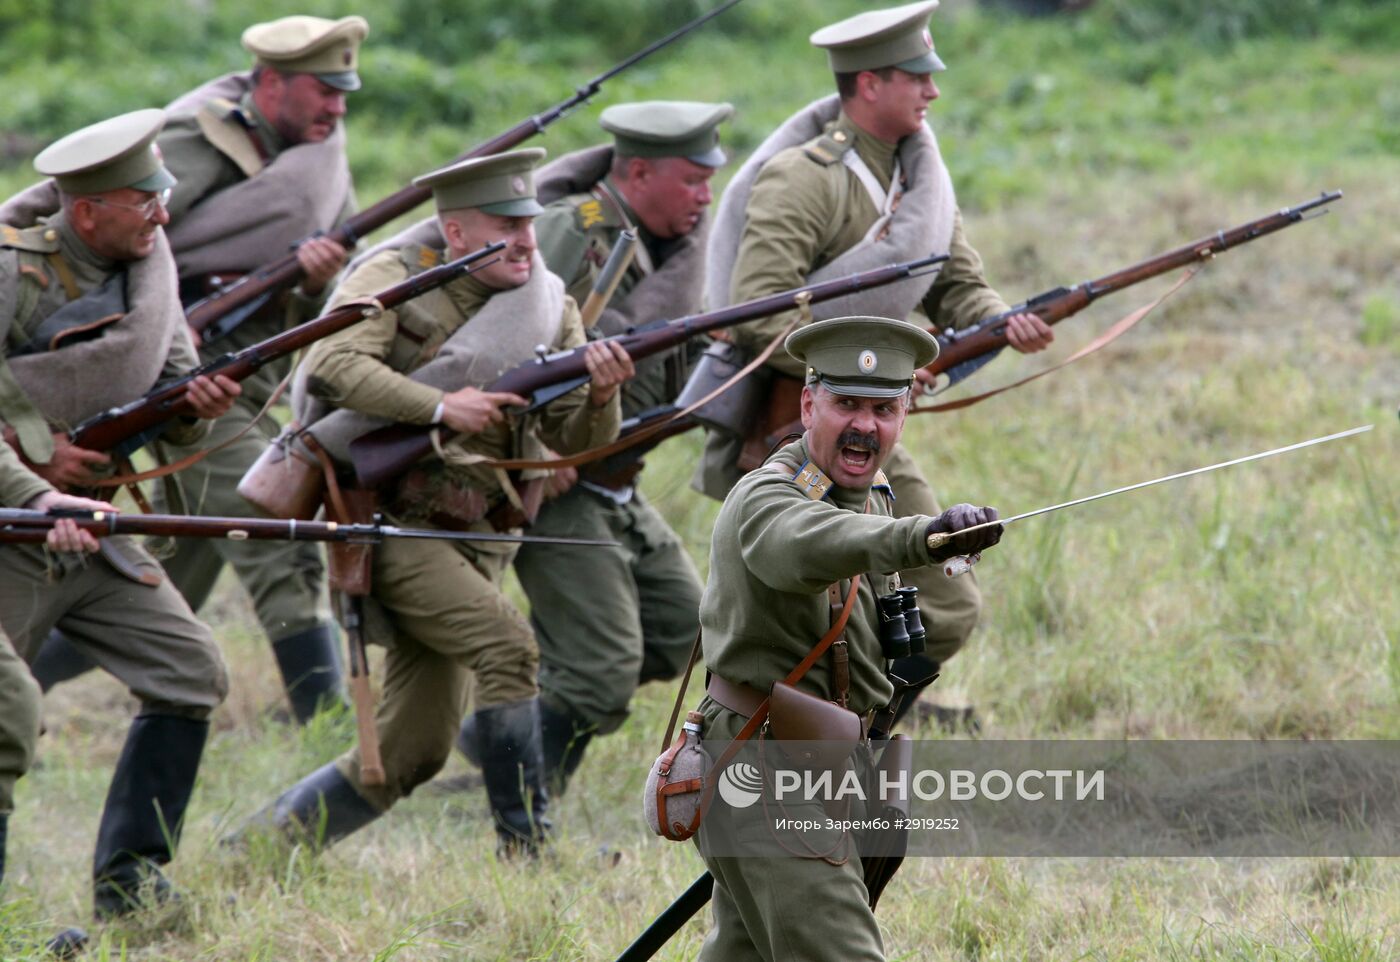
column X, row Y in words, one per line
column 818, row 513
column 849, row 182
column 260, row 159
column 88, row 307
column 439, row 605
column 633, row 618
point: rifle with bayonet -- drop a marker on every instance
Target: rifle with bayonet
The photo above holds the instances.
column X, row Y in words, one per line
column 961, row 353
column 383, row 454
column 252, row 290
column 123, row 430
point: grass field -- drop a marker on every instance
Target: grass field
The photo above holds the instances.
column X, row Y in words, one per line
column 1254, row 603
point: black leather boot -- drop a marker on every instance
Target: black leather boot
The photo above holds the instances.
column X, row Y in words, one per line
column 311, row 670
column 145, row 809
column 513, row 770
column 467, row 741
column 59, row 660
column 565, row 737
column 321, row 809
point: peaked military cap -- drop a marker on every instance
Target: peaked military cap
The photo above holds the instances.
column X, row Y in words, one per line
column 896, row 37
column 668, row 128
column 327, row 48
column 502, row 184
column 862, row 356
column 109, row 155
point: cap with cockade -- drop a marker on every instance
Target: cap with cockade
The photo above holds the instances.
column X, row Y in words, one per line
column 668, row 128
column 109, row 155
column 896, row 37
column 503, row 184
column 862, row 356
column 327, row 48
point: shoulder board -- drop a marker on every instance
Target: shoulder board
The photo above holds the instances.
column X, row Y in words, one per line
column 829, row 148
column 882, row 483
column 224, row 126
column 591, row 212
column 418, row 258
column 41, row 239
column 810, row 480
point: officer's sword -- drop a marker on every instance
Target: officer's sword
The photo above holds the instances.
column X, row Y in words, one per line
column 961, row 564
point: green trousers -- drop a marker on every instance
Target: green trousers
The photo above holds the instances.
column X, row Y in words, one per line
column 143, row 635
column 449, row 623
column 19, row 721
column 283, row 578
column 776, row 909
column 950, row 606
column 607, row 619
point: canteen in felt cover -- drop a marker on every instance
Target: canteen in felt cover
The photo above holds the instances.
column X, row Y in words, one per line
column 675, row 784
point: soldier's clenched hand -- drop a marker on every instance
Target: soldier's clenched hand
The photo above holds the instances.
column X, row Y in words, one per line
column 958, row 517
column 65, row 535
column 321, row 258
column 470, row 411
column 70, row 466
column 609, row 365
column 1027, row 333
column 211, row 397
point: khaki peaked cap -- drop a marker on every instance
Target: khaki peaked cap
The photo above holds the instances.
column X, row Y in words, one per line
column 895, row 37
column 108, row 155
column 502, row 184
column 668, row 128
column 862, row 356
column 327, row 48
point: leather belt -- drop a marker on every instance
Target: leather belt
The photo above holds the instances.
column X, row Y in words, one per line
column 740, row 699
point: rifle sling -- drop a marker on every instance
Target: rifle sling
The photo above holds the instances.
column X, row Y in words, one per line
column 1121, row 327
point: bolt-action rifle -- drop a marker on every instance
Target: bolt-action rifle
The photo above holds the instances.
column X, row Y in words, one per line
column 385, row 453
column 960, row 353
column 123, row 430
column 252, row 290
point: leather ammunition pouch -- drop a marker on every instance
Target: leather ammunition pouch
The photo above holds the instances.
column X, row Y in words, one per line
column 734, row 410
column 350, row 564
column 813, row 733
column 79, row 320
column 286, row 481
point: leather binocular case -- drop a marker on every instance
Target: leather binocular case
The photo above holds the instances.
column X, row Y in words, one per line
column 734, row 410
column 286, row 481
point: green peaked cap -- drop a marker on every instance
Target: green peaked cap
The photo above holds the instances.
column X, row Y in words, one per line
column 894, row 37
column 668, row 128
column 108, row 155
column 502, row 184
column 862, row 356
column 327, row 48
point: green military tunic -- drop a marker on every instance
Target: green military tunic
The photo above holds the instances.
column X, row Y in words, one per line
column 284, row 579
column 443, row 600
column 774, row 550
column 118, row 611
column 632, row 619
column 807, row 208
column 19, row 694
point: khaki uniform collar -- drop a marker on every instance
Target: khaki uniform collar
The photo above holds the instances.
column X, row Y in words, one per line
column 261, row 127
column 73, row 249
column 878, row 154
column 468, row 294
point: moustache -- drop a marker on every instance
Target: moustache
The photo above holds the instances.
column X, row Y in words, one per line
column 851, row 438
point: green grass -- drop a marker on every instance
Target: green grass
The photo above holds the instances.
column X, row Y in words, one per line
column 1255, row 603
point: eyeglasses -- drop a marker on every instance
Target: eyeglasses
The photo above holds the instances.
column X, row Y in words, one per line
column 146, row 209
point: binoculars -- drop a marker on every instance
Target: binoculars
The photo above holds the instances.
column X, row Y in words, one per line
column 901, row 627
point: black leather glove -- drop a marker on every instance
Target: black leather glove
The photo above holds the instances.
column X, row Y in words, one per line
column 956, row 518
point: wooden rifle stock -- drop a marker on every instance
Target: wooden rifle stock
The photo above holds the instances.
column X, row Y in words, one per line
column 126, row 428
column 383, row 454
column 286, row 270
column 972, row 345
